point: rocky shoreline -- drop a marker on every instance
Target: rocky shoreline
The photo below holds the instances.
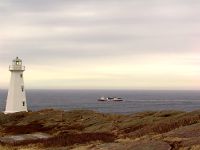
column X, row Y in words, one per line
column 85, row 130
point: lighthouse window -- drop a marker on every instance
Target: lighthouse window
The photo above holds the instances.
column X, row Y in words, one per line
column 22, row 88
column 21, row 75
column 23, row 103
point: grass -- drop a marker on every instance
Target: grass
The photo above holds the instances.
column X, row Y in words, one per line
column 68, row 140
column 7, row 148
column 164, row 125
column 84, row 126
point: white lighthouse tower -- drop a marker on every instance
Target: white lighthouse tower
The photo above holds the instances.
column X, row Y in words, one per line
column 16, row 100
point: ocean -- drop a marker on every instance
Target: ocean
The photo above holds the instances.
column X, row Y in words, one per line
column 135, row 100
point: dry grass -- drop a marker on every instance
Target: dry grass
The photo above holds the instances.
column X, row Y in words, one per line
column 26, row 129
column 81, row 126
column 7, row 148
column 68, row 140
column 162, row 126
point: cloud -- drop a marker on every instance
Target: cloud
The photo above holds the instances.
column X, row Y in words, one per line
column 75, row 32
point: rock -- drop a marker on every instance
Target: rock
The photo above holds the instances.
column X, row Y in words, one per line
column 139, row 145
column 22, row 138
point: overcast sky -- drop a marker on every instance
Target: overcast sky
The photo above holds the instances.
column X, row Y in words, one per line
column 122, row 44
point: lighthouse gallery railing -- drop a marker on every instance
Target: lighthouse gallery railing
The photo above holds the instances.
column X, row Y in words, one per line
column 22, row 68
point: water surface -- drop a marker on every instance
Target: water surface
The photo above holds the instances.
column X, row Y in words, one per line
column 135, row 101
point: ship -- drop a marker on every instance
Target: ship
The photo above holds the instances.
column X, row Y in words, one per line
column 116, row 99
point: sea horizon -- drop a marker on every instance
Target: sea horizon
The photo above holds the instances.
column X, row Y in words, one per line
column 134, row 100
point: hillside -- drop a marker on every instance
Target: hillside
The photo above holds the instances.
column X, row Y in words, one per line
column 85, row 129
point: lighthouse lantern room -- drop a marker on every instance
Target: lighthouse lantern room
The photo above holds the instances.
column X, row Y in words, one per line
column 16, row 99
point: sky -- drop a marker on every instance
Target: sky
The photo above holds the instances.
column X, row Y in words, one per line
column 102, row 44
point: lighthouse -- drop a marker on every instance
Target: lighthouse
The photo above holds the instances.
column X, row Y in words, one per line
column 16, row 99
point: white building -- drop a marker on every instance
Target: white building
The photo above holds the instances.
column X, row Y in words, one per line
column 16, row 100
